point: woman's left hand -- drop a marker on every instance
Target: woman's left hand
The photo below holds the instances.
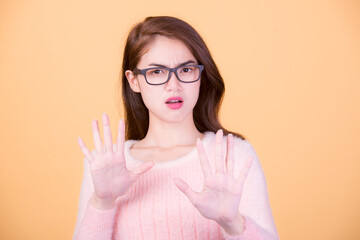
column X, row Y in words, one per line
column 221, row 194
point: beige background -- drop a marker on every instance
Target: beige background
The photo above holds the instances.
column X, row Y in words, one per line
column 292, row 73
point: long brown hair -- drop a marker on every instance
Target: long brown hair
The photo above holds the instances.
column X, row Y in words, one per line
column 212, row 86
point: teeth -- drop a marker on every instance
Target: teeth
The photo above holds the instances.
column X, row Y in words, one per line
column 174, row 101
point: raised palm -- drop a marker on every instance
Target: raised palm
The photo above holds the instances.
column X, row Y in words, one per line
column 110, row 176
column 220, row 198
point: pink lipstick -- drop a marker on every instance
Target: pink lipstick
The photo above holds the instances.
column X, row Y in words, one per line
column 174, row 102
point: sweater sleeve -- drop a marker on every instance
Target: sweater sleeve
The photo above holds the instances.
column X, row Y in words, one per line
column 254, row 203
column 92, row 223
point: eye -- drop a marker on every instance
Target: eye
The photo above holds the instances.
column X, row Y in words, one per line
column 187, row 69
column 156, row 71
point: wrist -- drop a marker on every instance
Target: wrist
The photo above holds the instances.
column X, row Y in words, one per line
column 234, row 227
column 102, row 204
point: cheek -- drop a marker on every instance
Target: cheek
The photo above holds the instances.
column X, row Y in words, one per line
column 149, row 94
column 194, row 93
column 197, row 89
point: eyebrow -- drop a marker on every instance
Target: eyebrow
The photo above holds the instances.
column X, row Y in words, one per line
column 181, row 64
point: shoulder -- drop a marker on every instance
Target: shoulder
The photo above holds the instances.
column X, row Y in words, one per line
column 244, row 150
column 244, row 147
column 241, row 146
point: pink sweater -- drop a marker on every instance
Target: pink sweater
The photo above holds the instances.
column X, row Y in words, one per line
column 156, row 209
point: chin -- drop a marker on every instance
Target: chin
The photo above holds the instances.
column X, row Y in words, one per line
column 174, row 117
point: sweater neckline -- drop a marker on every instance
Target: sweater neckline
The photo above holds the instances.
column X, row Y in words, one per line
column 169, row 163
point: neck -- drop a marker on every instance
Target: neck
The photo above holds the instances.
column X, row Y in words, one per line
column 171, row 134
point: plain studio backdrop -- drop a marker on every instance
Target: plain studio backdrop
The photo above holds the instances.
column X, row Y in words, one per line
column 292, row 75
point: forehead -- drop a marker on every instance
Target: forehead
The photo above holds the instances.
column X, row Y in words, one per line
column 166, row 51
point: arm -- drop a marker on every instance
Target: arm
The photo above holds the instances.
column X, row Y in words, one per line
column 254, row 205
column 92, row 223
column 106, row 180
column 235, row 192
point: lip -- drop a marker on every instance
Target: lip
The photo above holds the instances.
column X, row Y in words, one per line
column 174, row 98
column 174, row 105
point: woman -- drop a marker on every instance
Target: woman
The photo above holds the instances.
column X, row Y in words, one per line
column 157, row 184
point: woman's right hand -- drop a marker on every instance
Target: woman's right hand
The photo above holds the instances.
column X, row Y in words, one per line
column 110, row 176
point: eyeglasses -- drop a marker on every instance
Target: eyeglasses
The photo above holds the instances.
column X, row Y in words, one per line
column 161, row 75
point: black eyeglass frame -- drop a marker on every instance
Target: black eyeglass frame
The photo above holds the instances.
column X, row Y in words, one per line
column 137, row 71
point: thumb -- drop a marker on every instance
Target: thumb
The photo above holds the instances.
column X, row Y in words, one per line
column 144, row 167
column 184, row 187
column 119, row 201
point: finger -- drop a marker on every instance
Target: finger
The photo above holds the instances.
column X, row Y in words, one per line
column 107, row 133
column 203, row 159
column 121, row 137
column 184, row 187
column 97, row 137
column 245, row 171
column 144, row 167
column 230, row 155
column 121, row 199
column 219, row 165
column 85, row 150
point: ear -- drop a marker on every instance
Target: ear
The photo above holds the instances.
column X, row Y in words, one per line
column 133, row 81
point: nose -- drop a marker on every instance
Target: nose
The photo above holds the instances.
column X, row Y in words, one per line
column 173, row 84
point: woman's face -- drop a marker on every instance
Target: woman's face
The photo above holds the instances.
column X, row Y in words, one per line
column 170, row 53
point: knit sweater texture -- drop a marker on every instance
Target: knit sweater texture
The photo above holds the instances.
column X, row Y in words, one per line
column 155, row 209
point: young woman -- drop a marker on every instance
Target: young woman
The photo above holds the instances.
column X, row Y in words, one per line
column 179, row 174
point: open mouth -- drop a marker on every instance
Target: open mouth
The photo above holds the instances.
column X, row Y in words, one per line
column 173, row 101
